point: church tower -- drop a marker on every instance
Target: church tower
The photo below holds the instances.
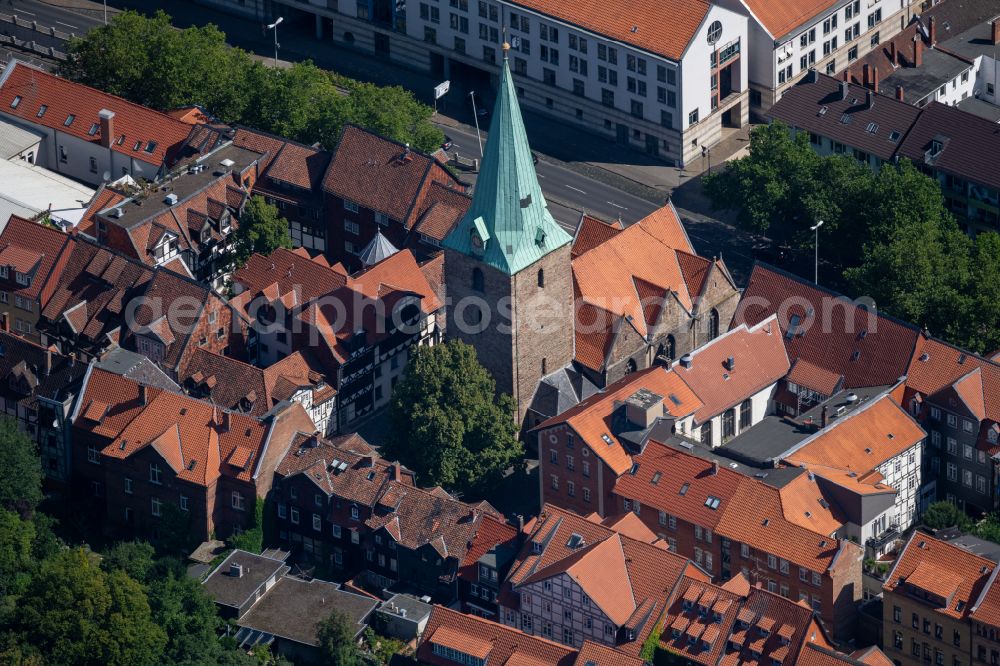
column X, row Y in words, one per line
column 508, row 273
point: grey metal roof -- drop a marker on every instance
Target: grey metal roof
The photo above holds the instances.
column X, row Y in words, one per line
column 776, row 477
column 978, row 107
column 416, row 609
column 378, row 249
column 137, row 367
column 937, row 70
column 15, row 139
column 560, row 391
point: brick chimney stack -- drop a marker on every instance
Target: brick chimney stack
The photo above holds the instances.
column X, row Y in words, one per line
column 918, row 51
column 875, row 79
column 996, row 31
column 866, row 75
column 892, row 53
column 932, row 31
column 107, row 127
column 900, row 95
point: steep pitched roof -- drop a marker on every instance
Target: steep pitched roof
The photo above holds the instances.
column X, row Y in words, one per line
column 662, row 28
column 952, row 573
column 285, row 161
column 840, row 336
column 32, row 249
column 378, row 249
column 399, row 272
column 591, row 418
column 158, row 136
column 591, row 232
column 508, row 214
column 938, row 366
column 759, row 360
column 468, row 634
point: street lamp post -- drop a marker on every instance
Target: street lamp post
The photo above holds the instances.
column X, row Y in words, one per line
column 475, row 116
column 105, row 12
column 274, row 26
column 815, row 229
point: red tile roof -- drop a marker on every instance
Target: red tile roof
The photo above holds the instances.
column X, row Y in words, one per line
column 291, row 272
column 940, row 568
column 160, row 136
column 35, row 249
column 781, row 17
column 381, row 174
column 591, row 418
column 759, row 361
column 284, row 160
column 398, row 272
column 188, row 434
column 504, row 642
column 868, row 349
column 811, row 376
column 591, row 232
column 937, row 366
column 440, row 210
column 664, row 28
column 986, row 608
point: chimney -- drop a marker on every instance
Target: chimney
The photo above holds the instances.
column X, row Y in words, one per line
column 996, row 31
column 892, row 52
column 730, row 363
column 225, row 421
column 48, row 360
column 397, row 474
column 845, row 89
column 866, row 75
column 107, row 127
column 686, row 360
column 823, row 417
column 869, row 99
column 142, row 394
column 875, row 79
column 918, row 51
column 932, row 31
column 236, row 570
column 900, row 95
column 715, row 467
column 847, row 75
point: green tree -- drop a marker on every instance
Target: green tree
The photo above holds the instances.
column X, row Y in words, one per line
column 135, row 558
column 252, row 538
column 336, row 640
column 17, row 538
column 21, row 482
column 261, row 230
column 187, row 614
column 74, row 613
column 448, row 424
column 941, row 515
column 394, row 112
column 980, row 324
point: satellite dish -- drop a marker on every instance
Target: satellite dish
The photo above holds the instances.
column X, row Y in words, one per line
column 106, row 176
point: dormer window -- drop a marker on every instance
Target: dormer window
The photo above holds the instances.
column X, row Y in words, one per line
column 23, row 279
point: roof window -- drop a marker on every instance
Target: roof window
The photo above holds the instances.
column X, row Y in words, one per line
column 607, row 439
column 42, row 109
column 150, row 147
column 656, row 478
column 121, row 140
column 93, row 129
column 712, row 502
column 872, row 128
column 823, row 111
column 137, row 146
column 894, row 136
column 845, row 119
column 69, row 120
column 15, row 101
column 684, row 489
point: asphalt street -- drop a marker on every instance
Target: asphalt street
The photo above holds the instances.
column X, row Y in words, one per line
column 50, row 16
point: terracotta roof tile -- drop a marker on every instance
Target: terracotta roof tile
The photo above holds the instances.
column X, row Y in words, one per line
column 832, row 337
column 591, row 418
column 936, row 366
column 400, row 272
column 663, row 28
column 594, row 654
column 759, row 361
column 664, row 224
column 285, row 160
column 29, row 247
column 160, row 136
column 591, row 232
column 477, row 632
column 938, row 567
column 440, row 210
column 811, row 376
column 781, row 17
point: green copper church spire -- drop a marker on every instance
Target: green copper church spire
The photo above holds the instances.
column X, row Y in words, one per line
column 508, row 226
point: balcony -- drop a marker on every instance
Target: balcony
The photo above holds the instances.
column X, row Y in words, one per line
column 888, row 536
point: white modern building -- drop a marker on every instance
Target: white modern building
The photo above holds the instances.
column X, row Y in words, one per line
column 788, row 37
column 27, row 190
column 664, row 78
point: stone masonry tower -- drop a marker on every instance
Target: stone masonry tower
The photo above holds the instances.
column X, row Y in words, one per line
column 508, row 274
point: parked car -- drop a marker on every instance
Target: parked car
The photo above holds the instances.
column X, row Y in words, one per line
column 447, row 144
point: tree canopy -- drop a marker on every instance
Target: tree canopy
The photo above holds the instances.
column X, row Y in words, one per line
column 448, row 424
column 261, row 230
column 336, row 639
column 886, row 234
column 21, row 482
column 145, row 60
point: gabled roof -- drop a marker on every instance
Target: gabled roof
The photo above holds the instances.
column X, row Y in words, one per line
column 381, row 174
column 840, row 336
column 508, row 204
column 476, row 635
column 591, row 232
column 592, row 418
column 662, row 28
column 397, row 272
column 285, row 161
column 942, row 569
column 759, row 360
column 54, row 375
column 782, row 17
column 291, row 271
column 938, row 367
column 159, row 136
column 36, row 250
column 813, row 377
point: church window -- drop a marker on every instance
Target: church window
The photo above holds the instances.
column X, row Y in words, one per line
column 713, row 324
column 478, row 283
column 630, row 367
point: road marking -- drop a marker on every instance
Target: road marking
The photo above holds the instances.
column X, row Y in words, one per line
column 68, row 25
column 616, row 205
column 576, row 189
column 540, row 175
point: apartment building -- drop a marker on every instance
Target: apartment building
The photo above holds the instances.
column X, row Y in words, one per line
column 143, row 454
column 663, row 79
column 950, row 391
column 89, row 135
column 943, row 141
column 787, row 38
column 31, row 254
column 928, row 599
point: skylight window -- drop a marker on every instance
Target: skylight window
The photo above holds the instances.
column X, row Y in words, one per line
column 150, row 147
column 823, row 111
column 15, row 102
column 894, row 136
column 607, row 439
column 712, row 502
column 69, row 120
column 42, row 109
column 93, row 129
column 684, row 489
column 137, row 146
column 845, row 119
column 872, row 128
column 656, row 478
